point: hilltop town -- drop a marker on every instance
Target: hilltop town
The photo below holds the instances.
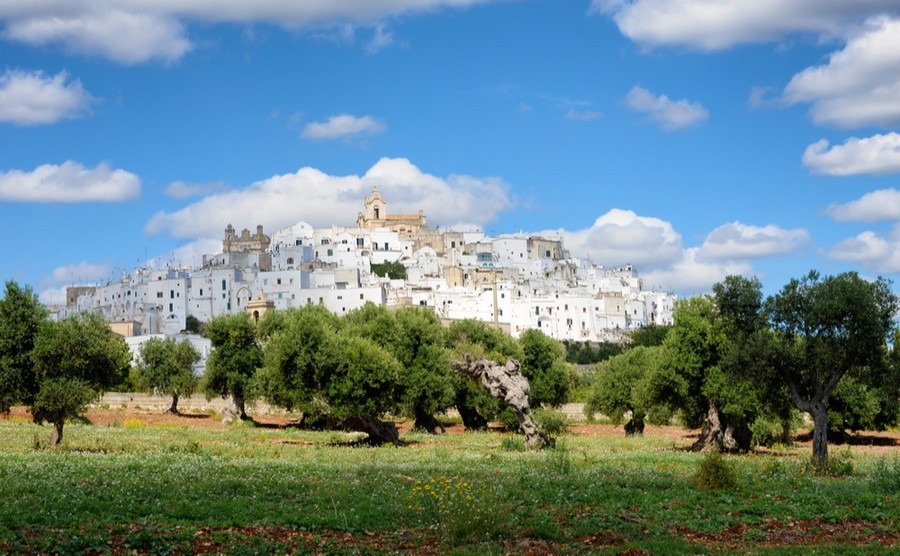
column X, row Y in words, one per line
column 517, row 282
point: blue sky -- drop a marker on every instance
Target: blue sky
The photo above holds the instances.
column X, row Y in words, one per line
column 691, row 138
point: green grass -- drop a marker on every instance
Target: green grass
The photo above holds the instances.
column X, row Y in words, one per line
column 255, row 490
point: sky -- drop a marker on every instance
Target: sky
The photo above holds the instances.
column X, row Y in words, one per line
column 691, row 138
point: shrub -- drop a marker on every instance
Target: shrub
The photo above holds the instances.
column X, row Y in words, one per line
column 839, row 464
column 465, row 512
column 715, row 473
column 551, row 421
column 886, row 477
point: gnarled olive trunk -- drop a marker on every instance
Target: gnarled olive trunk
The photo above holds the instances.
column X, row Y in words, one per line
column 173, row 409
column 507, row 383
column 472, row 420
column 380, row 432
column 428, row 423
column 717, row 434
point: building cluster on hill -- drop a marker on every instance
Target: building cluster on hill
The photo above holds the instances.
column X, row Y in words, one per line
column 518, row 282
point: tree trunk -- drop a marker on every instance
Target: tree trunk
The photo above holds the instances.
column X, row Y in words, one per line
column 819, row 412
column 174, row 408
column 786, row 437
column 472, row 420
column 57, row 434
column 235, row 410
column 507, row 383
column 712, row 433
column 635, row 426
column 717, row 434
column 380, row 432
column 427, row 422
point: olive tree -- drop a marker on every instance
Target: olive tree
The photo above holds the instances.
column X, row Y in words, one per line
column 619, row 390
column 235, row 357
column 337, row 375
column 166, row 368
column 75, row 360
column 829, row 328
column 21, row 315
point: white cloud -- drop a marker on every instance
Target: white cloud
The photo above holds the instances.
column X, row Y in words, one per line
column 53, row 296
column 75, row 273
column 381, row 39
column 880, row 205
column 740, row 241
column 691, row 274
column 672, row 115
column 877, row 252
column 720, row 24
column 190, row 253
column 69, row 182
column 323, row 200
column 183, row 190
column 342, row 126
column 122, row 36
column 135, row 31
column 582, row 115
column 621, row 237
column 29, row 98
column 879, row 154
column 860, row 85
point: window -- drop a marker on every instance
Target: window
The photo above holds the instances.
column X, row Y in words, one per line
column 159, row 295
column 361, row 296
column 326, row 241
column 171, row 308
column 331, row 252
column 340, row 297
column 265, row 281
column 298, row 242
column 278, row 281
column 360, row 242
column 547, row 253
column 201, row 292
column 224, row 284
column 171, row 294
column 320, row 301
column 537, row 310
column 290, row 260
column 343, row 242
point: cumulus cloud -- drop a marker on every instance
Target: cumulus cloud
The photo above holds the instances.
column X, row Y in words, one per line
column 879, row 154
column 734, row 241
column 722, row 24
column 621, row 237
column 323, row 200
column 69, row 182
column 135, row 31
column 122, row 36
column 655, row 248
column 342, row 126
column 183, row 190
column 860, row 84
column 878, row 252
column 692, row 274
column 29, row 98
column 672, row 115
column 880, row 205
column 75, row 273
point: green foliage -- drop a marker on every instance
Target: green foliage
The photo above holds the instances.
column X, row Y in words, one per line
column 393, row 270
column 584, row 353
column 166, row 367
column 21, row 315
column 886, row 476
column 840, row 464
column 193, row 325
column 427, row 378
column 463, row 511
column 316, row 363
column 551, row 421
column 478, row 339
column 829, row 328
column 619, row 386
column 63, row 398
column 235, row 357
column 715, row 473
column 543, row 362
column 651, row 335
column 74, row 361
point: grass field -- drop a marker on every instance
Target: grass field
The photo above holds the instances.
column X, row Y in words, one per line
column 132, row 486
